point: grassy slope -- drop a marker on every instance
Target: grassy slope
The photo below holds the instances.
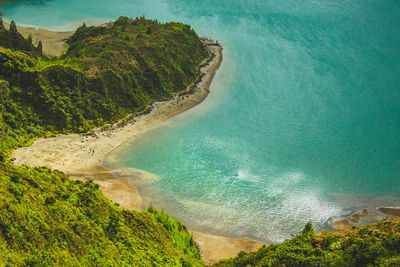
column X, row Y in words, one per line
column 370, row 245
column 48, row 219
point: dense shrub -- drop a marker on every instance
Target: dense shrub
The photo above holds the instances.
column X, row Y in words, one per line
column 374, row 244
column 48, row 219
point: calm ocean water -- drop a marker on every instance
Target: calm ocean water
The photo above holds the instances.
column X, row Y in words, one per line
column 303, row 122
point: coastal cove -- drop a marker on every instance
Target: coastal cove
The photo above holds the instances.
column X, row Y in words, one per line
column 301, row 124
column 81, row 156
column 69, row 153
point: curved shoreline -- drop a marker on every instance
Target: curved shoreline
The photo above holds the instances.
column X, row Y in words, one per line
column 73, row 153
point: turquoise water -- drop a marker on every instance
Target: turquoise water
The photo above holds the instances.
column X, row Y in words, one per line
column 303, row 122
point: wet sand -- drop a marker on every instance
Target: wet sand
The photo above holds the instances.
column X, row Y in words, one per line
column 214, row 248
column 119, row 190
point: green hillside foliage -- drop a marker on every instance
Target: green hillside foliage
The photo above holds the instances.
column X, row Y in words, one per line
column 12, row 39
column 48, row 219
column 371, row 245
column 184, row 242
column 107, row 73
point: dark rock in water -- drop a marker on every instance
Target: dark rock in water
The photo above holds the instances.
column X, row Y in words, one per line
column 359, row 217
column 393, row 211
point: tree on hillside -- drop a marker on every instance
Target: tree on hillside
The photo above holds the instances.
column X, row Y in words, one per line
column 13, row 26
column 40, row 47
column 29, row 39
column 308, row 230
column 1, row 21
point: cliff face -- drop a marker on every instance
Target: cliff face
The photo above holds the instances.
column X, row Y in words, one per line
column 106, row 73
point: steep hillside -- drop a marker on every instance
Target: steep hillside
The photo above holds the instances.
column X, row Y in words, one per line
column 49, row 219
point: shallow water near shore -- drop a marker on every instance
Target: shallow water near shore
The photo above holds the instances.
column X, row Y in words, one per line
column 302, row 123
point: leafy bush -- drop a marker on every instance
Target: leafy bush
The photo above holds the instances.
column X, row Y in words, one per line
column 178, row 231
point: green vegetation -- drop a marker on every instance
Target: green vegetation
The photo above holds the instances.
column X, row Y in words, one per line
column 370, row 245
column 184, row 242
column 107, row 73
column 46, row 219
column 12, row 39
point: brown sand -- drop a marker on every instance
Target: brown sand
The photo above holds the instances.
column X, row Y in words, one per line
column 343, row 224
column 74, row 155
column 52, row 41
column 214, row 248
column 118, row 190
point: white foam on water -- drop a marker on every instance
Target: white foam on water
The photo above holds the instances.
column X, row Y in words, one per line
column 281, row 184
column 267, row 222
column 245, row 175
column 294, row 177
column 308, row 206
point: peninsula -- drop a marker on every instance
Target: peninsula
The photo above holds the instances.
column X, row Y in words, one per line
column 61, row 115
column 80, row 155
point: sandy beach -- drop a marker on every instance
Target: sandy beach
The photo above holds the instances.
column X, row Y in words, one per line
column 214, row 248
column 81, row 156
